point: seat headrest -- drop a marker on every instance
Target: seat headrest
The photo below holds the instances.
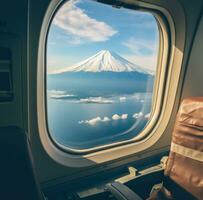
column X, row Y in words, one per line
column 191, row 112
column 185, row 163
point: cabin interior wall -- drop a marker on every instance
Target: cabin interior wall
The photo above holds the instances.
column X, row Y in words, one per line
column 193, row 83
column 13, row 35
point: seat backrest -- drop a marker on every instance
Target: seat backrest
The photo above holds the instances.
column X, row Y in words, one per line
column 185, row 162
column 17, row 176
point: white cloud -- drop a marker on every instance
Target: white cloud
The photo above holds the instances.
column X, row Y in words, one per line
column 124, row 116
column 59, row 94
column 116, row 117
column 140, row 115
column 138, row 45
column 144, row 52
column 55, row 62
column 147, row 116
column 91, row 121
column 77, row 24
column 147, row 61
column 137, row 115
column 99, row 100
column 122, row 98
column 95, row 120
column 106, row 119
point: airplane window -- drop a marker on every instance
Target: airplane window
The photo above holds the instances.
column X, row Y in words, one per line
column 101, row 66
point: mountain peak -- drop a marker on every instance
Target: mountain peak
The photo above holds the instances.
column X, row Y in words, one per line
column 106, row 52
column 104, row 61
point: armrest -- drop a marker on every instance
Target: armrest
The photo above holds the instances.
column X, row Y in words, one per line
column 147, row 180
column 122, row 192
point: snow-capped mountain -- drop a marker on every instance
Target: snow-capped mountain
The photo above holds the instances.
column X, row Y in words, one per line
column 104, row 61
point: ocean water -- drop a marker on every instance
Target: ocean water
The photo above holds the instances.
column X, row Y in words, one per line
column 86, row 110
column 80, row 122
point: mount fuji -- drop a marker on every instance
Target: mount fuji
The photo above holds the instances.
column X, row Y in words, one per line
column 104, row 74
column 104, row 61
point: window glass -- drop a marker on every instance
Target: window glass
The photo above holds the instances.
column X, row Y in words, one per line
column 101, row 67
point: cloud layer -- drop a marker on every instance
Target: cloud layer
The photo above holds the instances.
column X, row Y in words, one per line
column 99, row 100
column 137, row 115
column 95, row 120
column 59, row 94
column 76, row 23
column 138, row 46
column 115, row 117
column 144, row 52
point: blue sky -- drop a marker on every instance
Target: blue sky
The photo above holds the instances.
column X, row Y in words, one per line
column 82, row 28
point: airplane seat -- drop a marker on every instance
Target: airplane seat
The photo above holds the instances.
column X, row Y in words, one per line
column 184, row 168
column 17, row 174
column 185, row 162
